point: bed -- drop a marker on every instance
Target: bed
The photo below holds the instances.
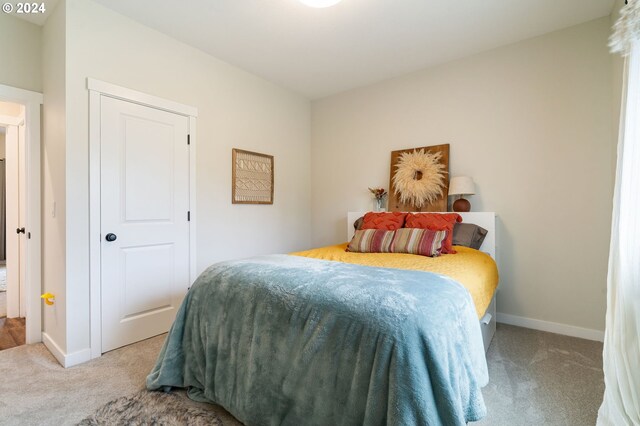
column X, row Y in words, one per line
column 479, row 287
column 298, row 340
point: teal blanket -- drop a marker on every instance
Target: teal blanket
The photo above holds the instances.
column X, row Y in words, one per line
column 287, row 340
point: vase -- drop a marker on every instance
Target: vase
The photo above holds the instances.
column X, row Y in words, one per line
column 378, row 205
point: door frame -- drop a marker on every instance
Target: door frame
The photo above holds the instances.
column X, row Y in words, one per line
column 97, row 89
column 32, row 102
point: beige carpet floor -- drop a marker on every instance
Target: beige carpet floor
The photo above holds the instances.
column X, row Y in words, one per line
column 536, row 379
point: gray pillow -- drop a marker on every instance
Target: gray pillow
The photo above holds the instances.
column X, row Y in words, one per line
column 357, row 225
column 468, row 235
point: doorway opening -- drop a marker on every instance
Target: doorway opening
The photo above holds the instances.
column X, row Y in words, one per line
column 12, row 225
column 21, row 215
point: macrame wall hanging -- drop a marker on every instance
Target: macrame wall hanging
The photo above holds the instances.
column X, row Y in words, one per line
column 251, row 177
column 419, row 179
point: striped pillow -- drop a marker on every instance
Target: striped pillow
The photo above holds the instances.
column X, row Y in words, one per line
column 418, row 241
column 435, row 222
column 371, row 241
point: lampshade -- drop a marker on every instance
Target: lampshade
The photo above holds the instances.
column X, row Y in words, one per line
column 320, row 3
column 462, row 185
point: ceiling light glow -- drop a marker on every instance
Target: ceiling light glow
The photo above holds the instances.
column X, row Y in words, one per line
column 320, row 3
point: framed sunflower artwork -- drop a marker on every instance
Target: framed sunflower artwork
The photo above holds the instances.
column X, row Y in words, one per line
column 419, row 179
column 251, row 177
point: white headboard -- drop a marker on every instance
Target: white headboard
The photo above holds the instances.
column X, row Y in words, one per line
column 487, row 220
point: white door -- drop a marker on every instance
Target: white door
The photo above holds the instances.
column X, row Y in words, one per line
column 13, row 221
column 144, row 220
column 16, row 219
column 22, row 216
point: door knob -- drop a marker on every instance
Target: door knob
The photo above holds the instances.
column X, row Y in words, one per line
column 110, row 237
column 20, row 231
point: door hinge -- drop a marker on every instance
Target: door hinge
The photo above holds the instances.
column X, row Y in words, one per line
column 188, row 139
column 189, row 216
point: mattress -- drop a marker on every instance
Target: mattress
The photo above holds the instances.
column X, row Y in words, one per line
column 475, row 270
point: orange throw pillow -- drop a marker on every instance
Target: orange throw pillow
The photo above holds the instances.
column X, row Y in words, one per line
column 384, row 220
column 436, row 222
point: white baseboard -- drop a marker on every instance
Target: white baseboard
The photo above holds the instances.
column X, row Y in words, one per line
column 551, row 327
column 66, row 360
column 53, row 348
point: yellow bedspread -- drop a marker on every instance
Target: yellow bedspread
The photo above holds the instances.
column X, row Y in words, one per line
column 473, row 269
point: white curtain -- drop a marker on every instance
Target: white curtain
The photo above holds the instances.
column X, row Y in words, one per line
column 621, row 405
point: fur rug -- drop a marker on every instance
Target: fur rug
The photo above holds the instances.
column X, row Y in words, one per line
column 152, row 409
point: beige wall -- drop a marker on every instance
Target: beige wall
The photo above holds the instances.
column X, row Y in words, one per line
column 11, row 109
column 20, row 48
column 532, row 124
column 236, row 109
column 53, row 174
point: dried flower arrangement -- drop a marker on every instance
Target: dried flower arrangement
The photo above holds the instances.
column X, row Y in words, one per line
column 379, row 193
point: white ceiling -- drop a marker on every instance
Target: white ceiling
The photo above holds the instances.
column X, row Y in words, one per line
column 318, row 52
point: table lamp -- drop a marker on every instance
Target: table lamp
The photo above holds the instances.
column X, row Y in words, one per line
column 461, row 185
